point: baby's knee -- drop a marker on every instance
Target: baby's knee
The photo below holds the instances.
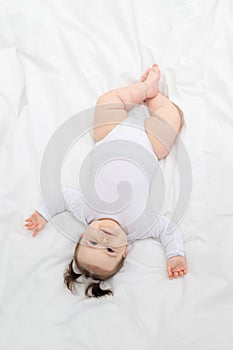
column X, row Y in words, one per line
column 108, row 97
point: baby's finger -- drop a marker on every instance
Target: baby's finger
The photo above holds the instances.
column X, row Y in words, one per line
column 28, row 219
column 29, row 223
column 181, row 269
column 31, row 226
column 38, row 228
column 169, row 271
column 177, row 269
column 175, row 274
column 35, row 232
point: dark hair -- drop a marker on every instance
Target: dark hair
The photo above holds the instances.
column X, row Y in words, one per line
column 93, row 289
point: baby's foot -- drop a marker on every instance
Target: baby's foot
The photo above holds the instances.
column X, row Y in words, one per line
column 151, row 79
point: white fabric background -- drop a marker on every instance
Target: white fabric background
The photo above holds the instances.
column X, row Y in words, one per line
column 56, row 58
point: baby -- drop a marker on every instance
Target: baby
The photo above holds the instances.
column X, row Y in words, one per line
column 102, row 248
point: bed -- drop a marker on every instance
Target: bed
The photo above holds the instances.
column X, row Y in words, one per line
column 56, row 58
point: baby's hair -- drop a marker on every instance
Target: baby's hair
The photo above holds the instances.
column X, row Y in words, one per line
column 93, row 289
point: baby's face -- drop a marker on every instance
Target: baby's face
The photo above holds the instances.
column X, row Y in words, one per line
column 102, row 246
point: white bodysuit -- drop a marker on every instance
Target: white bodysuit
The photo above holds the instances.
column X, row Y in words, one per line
column 122, row 167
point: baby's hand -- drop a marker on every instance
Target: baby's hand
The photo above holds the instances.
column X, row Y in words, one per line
column 176, row 266
column 35, row 222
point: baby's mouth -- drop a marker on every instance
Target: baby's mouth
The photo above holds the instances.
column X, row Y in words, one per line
column 108, row 233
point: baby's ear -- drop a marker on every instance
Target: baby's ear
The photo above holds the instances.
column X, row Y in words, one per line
column 125, row 252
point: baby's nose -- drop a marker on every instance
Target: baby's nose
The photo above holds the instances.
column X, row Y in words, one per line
column 106, row 239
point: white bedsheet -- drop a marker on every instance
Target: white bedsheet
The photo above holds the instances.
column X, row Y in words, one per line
column 56, row 58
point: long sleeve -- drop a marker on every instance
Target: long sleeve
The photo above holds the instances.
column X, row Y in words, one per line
column 67, row 200
column 171, row 240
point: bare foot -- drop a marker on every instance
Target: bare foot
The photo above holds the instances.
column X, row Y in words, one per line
column 151, row 80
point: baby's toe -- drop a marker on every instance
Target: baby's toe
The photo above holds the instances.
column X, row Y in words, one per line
column 144, row 76
column 155, row 68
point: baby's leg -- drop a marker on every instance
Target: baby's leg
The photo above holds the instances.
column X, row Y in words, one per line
column 111, row 108
column 164, row 124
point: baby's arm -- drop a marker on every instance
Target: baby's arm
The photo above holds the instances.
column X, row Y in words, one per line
column 67, row 200
column 172, row 242
column 171, row 237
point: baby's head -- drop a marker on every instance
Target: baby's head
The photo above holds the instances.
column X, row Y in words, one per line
column 99, row 254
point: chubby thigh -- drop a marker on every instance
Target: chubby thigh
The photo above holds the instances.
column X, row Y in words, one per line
column 161, row 134
column 106, row 118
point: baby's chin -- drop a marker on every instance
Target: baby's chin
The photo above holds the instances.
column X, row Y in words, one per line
column 105, row 224
column 109, row 222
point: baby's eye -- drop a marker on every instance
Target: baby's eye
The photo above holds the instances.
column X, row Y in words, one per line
column 110, row 250
column 93, row 242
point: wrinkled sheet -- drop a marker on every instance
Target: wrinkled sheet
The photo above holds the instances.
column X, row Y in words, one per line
column 56, row 58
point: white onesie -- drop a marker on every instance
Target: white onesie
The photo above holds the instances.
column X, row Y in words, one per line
column 122, row 168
